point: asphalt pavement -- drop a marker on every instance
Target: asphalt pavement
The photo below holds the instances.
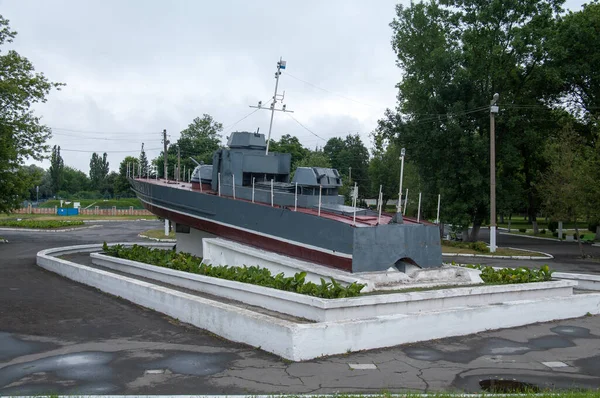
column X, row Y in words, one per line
column 567, row 255
column 58, row 336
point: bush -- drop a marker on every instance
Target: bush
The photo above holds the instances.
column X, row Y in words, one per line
column 40, row 224
column 592, row 226
column 522, row 230
column 555, row 234
column 254, row 275
column 512, row 275
column 479, row 247
column 543, row 232
column 553, row 226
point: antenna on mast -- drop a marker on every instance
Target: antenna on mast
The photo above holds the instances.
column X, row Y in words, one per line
column 280, row 65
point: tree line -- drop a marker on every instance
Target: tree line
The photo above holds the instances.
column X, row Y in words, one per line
column 453, row 55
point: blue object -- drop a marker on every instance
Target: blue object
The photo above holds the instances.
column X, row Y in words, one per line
column 62, row 211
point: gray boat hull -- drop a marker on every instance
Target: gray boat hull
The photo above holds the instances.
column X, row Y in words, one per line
column 305, row 236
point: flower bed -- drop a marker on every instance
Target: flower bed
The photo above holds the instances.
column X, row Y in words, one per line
column 254, row 275
column 491, row 275
column 40, row 224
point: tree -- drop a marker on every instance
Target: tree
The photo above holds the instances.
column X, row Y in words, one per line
column 455, row 55
column 569, row 183
column 35, row 175
column 56, row 169
column 75, row 181
column 143, row 163
column 99, row 168
column 121, row 186
column 575, row 50
column 350, row 153
column 384, row 171
column 22, row 135
column 289, row 144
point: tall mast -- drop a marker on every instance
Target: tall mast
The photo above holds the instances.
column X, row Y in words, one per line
column 280, row 65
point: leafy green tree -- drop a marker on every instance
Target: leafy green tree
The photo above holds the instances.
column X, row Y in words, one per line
column 22, row 136
column 454, row 56
column 121, row 186
column 567, row 183
column 56, row 169
column 99, row 168
column 143, row 163
column 34, row 175
column 74, row 181
column 350, row 154
column 289, row 144
column 199, row 140
column 575, row 50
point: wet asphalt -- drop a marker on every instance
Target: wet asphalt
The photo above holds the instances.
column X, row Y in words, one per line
column 58, row 336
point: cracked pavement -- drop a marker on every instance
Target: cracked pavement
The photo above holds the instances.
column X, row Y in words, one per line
column 58, row 336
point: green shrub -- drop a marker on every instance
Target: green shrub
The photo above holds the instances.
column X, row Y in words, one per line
column 40, row 224
column 479, row 247
column 555, row 234
column 512, row 275
column 553, row 226
column 522, row 230
column 254, row 275
column 543, row 232
column 592, row 226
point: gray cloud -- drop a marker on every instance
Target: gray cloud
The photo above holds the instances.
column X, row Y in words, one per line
column 138, row 67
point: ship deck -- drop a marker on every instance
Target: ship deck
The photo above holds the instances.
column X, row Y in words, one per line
column 361, row 221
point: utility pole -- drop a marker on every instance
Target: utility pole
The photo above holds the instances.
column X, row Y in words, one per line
column 165, row 157
column 178, row 163
column 142, row 171
column 493, row 111
column 350, row 174
column 402, row 154
column 280, row 65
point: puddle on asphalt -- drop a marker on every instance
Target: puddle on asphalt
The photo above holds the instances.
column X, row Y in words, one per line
column 193, row 364
column 572, row 331
column 589, row 366
column 83, row 366
column 495, row 346
column 423, row 354
column 549, row 342
column 12, row 347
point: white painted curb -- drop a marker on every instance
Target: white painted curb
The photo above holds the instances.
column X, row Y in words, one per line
column 303, row 341
column 319, row 309
column 530, row 237
column 157, row 239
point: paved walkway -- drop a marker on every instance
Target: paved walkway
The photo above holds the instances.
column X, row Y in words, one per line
column 63, row 337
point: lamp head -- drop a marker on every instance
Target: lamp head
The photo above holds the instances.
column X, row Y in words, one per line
column 403, row 152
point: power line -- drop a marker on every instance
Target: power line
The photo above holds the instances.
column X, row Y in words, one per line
column 233, row 125
column 306, row 128
column 101, row 132
column 101, row 138
column 328, row 91
column 85, row 151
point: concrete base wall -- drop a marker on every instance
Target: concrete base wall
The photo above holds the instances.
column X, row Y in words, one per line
column 322, row 310
column 303, row 341
column 225, row 252
column 192, row 242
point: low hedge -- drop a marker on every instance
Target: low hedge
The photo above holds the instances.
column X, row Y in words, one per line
column 40, row 224
column 478, row 246
column 512, row 275
column 254, row 275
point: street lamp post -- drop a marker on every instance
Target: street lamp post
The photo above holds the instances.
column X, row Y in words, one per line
column 493, row 111
column 402, row 154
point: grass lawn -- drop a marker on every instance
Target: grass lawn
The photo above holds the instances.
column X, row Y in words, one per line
column 587, row 235
column 103, row 204
column 499, row 251
column 158, row 234
column 78, row 217
column 40, row 224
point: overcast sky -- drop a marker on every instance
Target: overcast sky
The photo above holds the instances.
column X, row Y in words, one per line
column 136, row 67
